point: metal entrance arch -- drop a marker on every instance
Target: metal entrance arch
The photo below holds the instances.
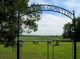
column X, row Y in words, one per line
column 60, row 10
column 52, row 8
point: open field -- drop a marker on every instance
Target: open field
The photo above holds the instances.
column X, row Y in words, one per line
column 29, row 50
column 26, row 38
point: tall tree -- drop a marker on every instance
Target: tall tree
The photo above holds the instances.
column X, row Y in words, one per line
column 14, row 11
column 69, row 30
column 77, row 28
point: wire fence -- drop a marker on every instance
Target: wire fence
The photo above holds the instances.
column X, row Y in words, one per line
column 57, row 49
column 46, row 50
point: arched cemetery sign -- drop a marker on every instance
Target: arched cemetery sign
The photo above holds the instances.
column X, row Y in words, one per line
column 54, row 9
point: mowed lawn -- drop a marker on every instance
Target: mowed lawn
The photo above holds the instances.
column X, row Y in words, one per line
column 29, row 50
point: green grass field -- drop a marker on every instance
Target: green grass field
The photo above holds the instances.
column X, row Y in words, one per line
column 29, row 50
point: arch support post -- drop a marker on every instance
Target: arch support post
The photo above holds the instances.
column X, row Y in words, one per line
column 74, row 38
column 75, row 50
column 18, row 43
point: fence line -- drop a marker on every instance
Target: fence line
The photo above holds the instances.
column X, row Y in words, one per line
column 47, row 47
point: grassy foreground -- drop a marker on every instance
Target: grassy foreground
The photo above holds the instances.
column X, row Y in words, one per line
column 29, row 50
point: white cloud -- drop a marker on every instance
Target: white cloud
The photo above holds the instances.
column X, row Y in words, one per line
column 55, row 2
column 72, row 3
column 52, row 20
column 51, row 25
column 37, row 2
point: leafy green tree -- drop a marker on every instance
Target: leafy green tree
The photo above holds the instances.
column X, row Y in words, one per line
column 69, row 30
column 14, row 14
column 77, row 28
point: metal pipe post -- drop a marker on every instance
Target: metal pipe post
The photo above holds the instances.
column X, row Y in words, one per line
column 18, row 47
column 74, row 38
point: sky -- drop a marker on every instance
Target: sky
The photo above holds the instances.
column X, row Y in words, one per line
column 52, row 23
